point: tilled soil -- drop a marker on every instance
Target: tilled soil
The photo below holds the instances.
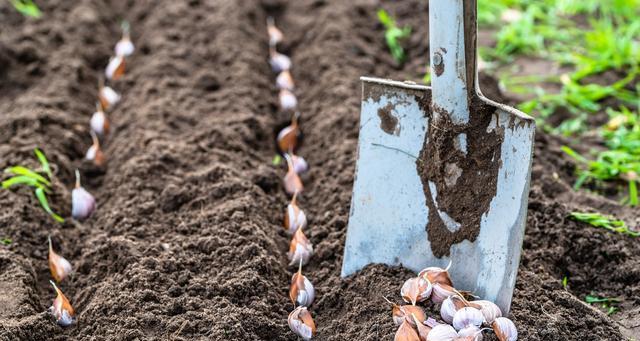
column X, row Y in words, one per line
column 186, row 242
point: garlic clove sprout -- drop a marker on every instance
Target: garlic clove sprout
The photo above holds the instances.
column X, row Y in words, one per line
column 61, row 309
column 58, row 265
column 466, row 317
column 415, row 290
column 300, row 249
column 288, row 100
column 82, row 202
column 441, row 291
column 284, row 80
column 108, row 97
column 442, row 332
column 450, row 306
column 505, row 329
column 94, row 153
column 489, row 310
column 294, row 217
column 406, row 333
column 437, row 275
column 301, row 292
column 292, row 183
column 301, row 323
column 299, row 164
column 115, row 68
column 99, row 122
column 279, row 62
column 288, row 137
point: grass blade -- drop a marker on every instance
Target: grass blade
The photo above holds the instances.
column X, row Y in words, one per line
column 20, row 180
column 20, row 170
column 27, row 8
column 42, row 198
column 43, row 162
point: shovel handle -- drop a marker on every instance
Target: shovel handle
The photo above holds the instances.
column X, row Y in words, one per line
column 452, row 44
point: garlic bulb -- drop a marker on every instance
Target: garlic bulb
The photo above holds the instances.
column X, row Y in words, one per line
column 279, row 62
column 124, row 47
column 505, row 329
column 406, row 333
column 442, row 332
column 301, row 291
column 299, row 164
column 61, row 309
column 275, row 35
column 450, row 306
column 292, row 182
column 437, row 275
column 300, row 249
column 489, row 310
column 288, row 137
column 94, row 153
column 472, row 331
column 284, row 80
column 415, row 290
column 301, row 323
column 467, row 317
column 108, row 97
column 82, row 202
column 294, row 217
column 99, row 123
column 115, row 68
column 58, row 265
column 288, row 100
column 441, row 292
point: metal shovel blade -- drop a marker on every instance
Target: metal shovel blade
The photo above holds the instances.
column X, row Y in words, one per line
column 442, row 175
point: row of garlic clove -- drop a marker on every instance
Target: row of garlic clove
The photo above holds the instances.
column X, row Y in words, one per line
column 83, row 204
column 463, row 319
column 301, row 290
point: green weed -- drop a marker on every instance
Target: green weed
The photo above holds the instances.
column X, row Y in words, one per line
column 605, row 222
column 394, row 35
column 609, row 303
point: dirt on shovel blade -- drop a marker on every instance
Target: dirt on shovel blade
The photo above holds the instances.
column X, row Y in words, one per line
column 187, row 242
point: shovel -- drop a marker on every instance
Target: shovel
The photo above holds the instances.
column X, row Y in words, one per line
column 442, row 172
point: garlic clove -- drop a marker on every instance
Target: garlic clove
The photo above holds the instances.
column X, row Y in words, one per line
column 288, row 100
column 489, row 310
column 300, row 249
column 437, row 275
column 441, row 291
column 108, row 97
column 292, row 183
column 124, row 47
column 505, row 329
column 299, row 164
column 61, row 309
column 82, row 202
column 466, row 317
column 423, row 330
column 442, row 332
column 415, row 290
column 58, row 265
column 94, row 153
column 301, row 291
column 288, row 137
column 279, row 62
column 405, row 312
column 406, row 333
column 99, row 122
column 473, row 332
column 294, row 217
column 301, row 323
column 115, row 68
column 450, row 306
column 275, row 35
column 284, row 80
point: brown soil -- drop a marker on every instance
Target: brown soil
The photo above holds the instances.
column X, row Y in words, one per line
column 186, row 243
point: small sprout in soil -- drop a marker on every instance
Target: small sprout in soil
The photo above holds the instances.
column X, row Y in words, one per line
column 285, row 81
column 277, row 160
column 301, row 291
column 6, row 241
column 275, row 35
column 301, row 323
column 608, row 303
column 606, row 222
column 58, row 265
column 289, row 136
column 116, row 67
column 26, row 8
column 394, row 35
column 108, row 97
column 294, row 217
column 300, row 249
column 416, row 290
column 565, row 282
column 32, row 178
column 99, row 122
column 61, row 309
column 94, row 153
column 124, row 47
column 505, row 329
column 279, row 62
column 82, row 202
column 292, row 183
column 288, row 101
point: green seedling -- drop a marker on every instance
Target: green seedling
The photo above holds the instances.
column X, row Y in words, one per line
column 565, row 281
column 609, row 303
column 6, row 241
column 277, row 160
column 36, row 179
column 27, row 8
column 605, row 222
column 394, row 35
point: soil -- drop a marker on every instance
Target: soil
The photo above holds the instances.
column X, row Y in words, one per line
column 187, row 242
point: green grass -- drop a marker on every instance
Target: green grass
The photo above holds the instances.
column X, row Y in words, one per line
column 394, row 35
column 606, row 222
column 608, row 303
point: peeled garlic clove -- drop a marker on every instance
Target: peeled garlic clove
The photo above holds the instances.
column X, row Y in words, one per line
column 292, row 183
column 415, row 290
column 301, row 323
column 275, row 35
column 108, row 97
column 467, row 317
column 299, row 164
column 441, row 291
column 115, row 68
column 442, row 332
column 82, row 202
column 489, row 310
column 279, row 62
column 406, row 333
column 294, row 217
column 301, row 291
column 284, row 80
column 505, row 329
column 288, row 100
column 437, row 275
column 99, row 123
column 471, row 331
column 61, row 308
column 94, row 153
column 300, row 249
column 58, row 265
